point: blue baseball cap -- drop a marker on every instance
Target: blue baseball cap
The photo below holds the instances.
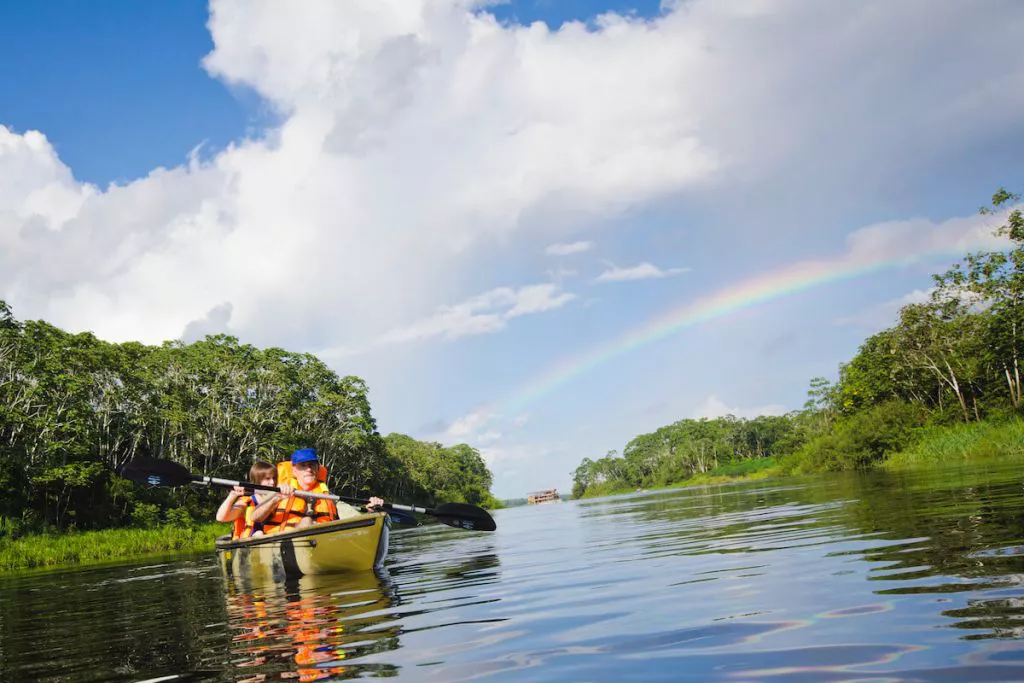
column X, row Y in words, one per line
column 304, row 455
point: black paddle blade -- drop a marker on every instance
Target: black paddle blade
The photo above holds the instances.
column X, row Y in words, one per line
column 402, row 517
column 155, row 472
column 464, row 516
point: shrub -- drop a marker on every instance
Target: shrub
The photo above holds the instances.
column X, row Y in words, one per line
column 862, row 440
column 145, row 515
column 179, row 517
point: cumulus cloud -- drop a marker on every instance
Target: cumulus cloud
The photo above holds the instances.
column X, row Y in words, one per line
column 468, row 424
column 713, row 407
column 559, row 274
column 570, row 248
column 885, row 314
column 416, row 136
column 481, row 427
column 214, row 322
column 903, row 239
column 482, row 314
column 642, row 271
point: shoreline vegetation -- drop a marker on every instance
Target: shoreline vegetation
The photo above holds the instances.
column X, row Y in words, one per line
column 980, row 442
column 945, row 383
column 107, row 546
column 75, row 409
column 977, row 442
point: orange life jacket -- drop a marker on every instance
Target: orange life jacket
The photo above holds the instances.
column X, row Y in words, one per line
column 245, row 525
column 323, row 510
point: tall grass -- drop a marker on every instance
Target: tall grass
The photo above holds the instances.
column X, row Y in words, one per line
column 978, row 440
column 91, row 547
column 869, row 439
column 758, row 468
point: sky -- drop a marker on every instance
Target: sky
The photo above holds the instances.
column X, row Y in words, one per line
column 538, row 227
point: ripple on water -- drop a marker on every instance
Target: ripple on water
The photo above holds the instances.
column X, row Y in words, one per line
column 834, row 578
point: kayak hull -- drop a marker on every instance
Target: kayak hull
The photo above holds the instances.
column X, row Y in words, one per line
column 353, row 544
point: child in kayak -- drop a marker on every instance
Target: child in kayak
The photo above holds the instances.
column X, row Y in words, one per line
column 254, row 514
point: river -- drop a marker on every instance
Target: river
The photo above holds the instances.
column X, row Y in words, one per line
column 871, row 577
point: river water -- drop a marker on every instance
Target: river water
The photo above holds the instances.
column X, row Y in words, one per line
column 915, row 577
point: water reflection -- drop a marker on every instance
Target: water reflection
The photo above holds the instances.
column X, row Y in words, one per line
column 343, row 626
column 935, row 533
column 862, row 577
column 311, row 628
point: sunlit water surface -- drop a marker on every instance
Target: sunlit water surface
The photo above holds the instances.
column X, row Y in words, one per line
column 838, row 578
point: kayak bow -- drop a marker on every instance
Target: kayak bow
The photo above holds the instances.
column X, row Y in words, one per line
column 356, row 543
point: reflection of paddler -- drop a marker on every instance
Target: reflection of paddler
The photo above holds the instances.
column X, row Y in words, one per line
column 315, row 631
column 254, row 613
column 248, row 615
column 305, row 623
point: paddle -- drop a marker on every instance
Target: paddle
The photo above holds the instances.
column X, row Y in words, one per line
column 156, row 472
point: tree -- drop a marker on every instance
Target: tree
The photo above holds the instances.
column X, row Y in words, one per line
column 994, row 281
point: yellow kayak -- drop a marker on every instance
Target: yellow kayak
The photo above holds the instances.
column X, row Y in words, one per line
column 355, row 543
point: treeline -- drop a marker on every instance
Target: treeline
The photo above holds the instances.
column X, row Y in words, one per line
column 74, row 409
column 954, row 359
column 686, row 448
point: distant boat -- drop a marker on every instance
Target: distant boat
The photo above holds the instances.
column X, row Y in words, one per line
column 541, row 497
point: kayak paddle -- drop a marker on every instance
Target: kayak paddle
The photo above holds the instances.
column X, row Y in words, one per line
column 156, row 472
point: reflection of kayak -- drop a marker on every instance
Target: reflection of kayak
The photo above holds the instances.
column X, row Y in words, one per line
column 355, row 543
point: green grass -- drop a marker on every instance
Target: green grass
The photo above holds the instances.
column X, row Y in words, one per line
column 735, row 471
column 935, row 445
column 761, row 468
column 93, row 547
column 974, row 441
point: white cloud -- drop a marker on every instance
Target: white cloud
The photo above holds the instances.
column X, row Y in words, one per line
column 895, row 240
column 559, row 274
column 216, row 321
column 519, row 455
column 714, row 407
column 482, row 314
column 885, row 314
column 570, row 248
column 482, row 426
column 642, row 271
column 420, row 139
column 488, row 437
column 468, row 424
column 485, row 313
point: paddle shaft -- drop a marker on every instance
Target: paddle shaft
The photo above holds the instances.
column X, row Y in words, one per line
column 203, row 479
column 156, row 472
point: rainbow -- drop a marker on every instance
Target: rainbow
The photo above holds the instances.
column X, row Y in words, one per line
column 742, row 295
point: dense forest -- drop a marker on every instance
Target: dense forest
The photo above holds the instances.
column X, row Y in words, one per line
column 948, row 372
column 74, row 409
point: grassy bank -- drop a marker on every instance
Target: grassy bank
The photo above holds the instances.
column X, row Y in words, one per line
column 974, row 441
column 928, row 446
column 91, row 547
column 736, row 471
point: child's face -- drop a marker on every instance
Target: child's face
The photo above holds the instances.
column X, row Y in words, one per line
column 269, row 479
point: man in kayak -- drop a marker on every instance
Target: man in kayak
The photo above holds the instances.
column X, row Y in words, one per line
column 305, row 473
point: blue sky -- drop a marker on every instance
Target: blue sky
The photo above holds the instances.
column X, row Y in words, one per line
column 385, row 185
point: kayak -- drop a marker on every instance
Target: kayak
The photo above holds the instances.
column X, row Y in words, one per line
column 358, row 543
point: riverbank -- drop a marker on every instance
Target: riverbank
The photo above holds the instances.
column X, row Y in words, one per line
column 974, row 441
column 95, row 547
column 748, row 470
column 931, row 446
